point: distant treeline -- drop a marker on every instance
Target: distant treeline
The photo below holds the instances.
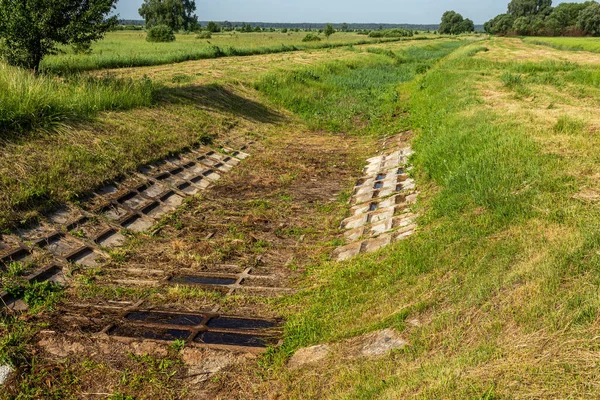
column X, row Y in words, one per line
column 227, row 25
column 539, row 18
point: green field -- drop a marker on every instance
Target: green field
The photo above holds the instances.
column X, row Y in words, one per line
column 568, row 43
column 496, row 293
column 130, row 49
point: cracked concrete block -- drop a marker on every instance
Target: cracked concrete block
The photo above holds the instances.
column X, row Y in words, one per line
column 354, row 234
column 381, row 342
column 403, row 220
column 360, row 209
column 139, row 224
column 404, row 233
column 372, row 245
column 354, row 222
column 348, row 251
column 381, row 227
column 309, row 355
column 64, row 215
column 375, row 160
column 380, row 215
column 156, row 190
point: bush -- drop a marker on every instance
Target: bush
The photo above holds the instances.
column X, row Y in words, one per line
column 204, row 35
column 311, row 38
column 160, row 33
column 391, row 33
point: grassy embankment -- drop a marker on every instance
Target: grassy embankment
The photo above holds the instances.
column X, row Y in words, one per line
column 497, row 293
column 568, row 43
column 344, row 81
column 64, row 136
column 130, row 49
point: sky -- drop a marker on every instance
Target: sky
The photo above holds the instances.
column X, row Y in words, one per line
column 334, row 11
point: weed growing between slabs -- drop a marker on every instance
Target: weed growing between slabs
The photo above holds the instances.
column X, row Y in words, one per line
column 497, row 292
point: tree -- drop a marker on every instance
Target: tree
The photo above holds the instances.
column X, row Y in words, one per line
column 176, row 14
column 344, row 27
column 32, row 29
column 564, row 17
column 499, row 25
column 529, row 8
column 214, row 28
column 329, row 30
column 453, row 23
column 467, row 26
column 589, row 19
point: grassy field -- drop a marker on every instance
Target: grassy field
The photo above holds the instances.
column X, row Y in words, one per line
column 130, row 49
column 76, row 146
column 497, row 292
column 568, row 43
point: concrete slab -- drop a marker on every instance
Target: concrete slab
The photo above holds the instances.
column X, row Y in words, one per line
column 348, row 251
column 372, row 245
column 5, row 371
column 354, row 222
column 354, row 234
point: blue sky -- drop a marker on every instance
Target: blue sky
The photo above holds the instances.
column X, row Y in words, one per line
column 383, row 11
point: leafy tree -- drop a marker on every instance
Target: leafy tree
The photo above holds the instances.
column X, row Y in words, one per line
column 564, row 17
column 589, row 19
column 213, row 27
column 453, row 23
column 32, row 29
column 467, row 26
column 528, row 8
column 257, row 29
column 176, row 14
column 499, row 25
column 344, row 27
column 329, row 30
column 522, row 25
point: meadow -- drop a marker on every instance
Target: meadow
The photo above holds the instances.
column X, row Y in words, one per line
column 568, row 43
column 122, row 49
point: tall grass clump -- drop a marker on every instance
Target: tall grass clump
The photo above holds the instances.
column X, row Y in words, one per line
column 29, row 102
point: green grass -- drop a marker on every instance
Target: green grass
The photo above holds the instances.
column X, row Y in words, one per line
column 568, row 43
column 130, row 49
column 357, row 96
column 503, row 268
column 29, row 102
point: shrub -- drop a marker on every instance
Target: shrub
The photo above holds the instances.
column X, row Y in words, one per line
column 204, row 35
column 311, row 38
column 391, row 33
column 160, row 33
